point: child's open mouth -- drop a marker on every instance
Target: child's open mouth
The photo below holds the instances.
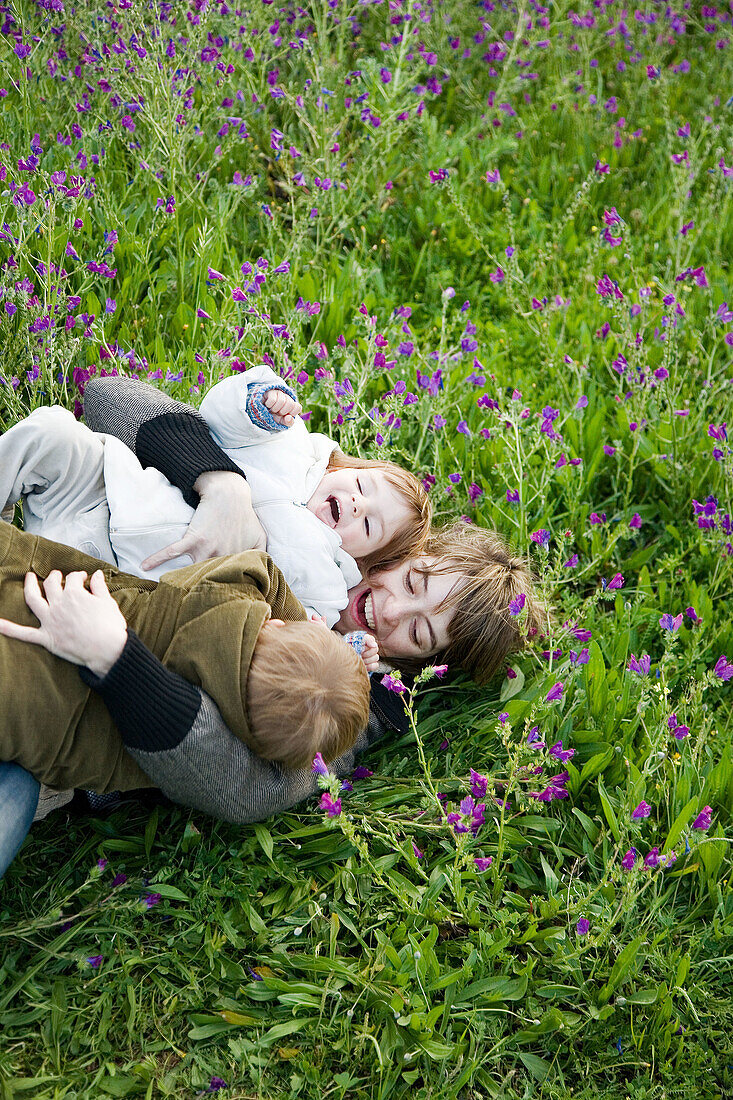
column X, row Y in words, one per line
column 335, row 507
column 365, row 610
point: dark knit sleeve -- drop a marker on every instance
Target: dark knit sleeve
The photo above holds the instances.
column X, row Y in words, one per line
column 178, row 737
column 167, row 434
column 152, row 707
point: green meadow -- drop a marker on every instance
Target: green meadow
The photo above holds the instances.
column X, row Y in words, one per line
column 490, row 241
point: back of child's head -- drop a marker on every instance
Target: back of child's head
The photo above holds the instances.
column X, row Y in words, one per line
column 307, row 692
column 482, row 631
column 409, row 538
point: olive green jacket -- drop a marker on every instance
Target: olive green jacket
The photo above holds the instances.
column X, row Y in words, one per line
column 202, row 621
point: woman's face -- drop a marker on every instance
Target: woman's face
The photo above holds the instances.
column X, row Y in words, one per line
column 399, row 606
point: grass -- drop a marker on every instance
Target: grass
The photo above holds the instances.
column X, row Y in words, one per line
column 303, row 956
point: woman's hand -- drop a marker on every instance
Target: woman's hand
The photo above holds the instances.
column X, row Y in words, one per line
column 224, row 522
column 84, row 626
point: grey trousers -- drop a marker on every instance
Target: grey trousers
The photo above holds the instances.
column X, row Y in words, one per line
column 55, row 466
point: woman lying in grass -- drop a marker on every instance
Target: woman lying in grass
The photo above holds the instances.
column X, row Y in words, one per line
column 449, row 604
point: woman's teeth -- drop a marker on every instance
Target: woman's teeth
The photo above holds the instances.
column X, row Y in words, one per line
column 369, row 612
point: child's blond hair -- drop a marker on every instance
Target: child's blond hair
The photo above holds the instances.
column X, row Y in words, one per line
column 307, row 692
column 482, row 631
column 410, row 538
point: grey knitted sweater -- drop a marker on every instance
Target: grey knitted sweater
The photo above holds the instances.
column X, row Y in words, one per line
column 172, row 728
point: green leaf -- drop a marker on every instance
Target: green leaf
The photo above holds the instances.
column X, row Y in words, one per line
column 643, row 997
column 167, row 891
column 623, row 966
column 499, row 988
column 538, row 1067
column 609, row 812
column 679, row 823
column 120, row 1085
column 511, row 686
column 264, row 836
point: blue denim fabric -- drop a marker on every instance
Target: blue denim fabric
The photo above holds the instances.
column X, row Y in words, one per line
column 18, row 801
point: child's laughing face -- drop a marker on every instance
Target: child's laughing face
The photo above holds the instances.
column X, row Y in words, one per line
column 362, row 507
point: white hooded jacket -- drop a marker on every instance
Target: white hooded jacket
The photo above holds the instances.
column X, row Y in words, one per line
column 283, row 470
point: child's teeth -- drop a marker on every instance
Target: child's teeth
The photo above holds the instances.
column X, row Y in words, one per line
column 368, row 612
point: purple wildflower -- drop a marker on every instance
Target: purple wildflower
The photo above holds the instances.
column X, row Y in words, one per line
column 555, row 692
column 723, row 668
column 629, row 859
column 642, row 810
column 583, row 926
column 319, row 765
column 704, row 819
column 516, row 604
column 482, row 863
column 640, row 666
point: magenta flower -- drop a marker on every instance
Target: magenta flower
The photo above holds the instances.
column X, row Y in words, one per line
column 541, row 537
column 482, row 863
column 629, row 859
column 416, row 851
column 652, row 858
column 152, row 899
column 493, row 177
column 362, row 772
column 393, row 684
column 517, row 603
column 616, row 581
column 723, row 668
column 635, row 521
column 95, row 961
column 692, row 615
column 555, row 692
column 560, row 753
column 642, row 810
column 583, row 926
column 571, row 562
column 332, row 806
column 671, row 623
column 704, row 818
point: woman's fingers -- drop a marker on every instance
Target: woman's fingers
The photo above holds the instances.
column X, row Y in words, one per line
column 53, row 584
column 33, row 595
column 21, row 633
column 98, row 584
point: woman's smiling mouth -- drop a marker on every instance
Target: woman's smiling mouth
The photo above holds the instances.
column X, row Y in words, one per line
column 335, row 507
column 365, row 610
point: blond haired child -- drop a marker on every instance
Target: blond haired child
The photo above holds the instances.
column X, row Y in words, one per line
column 327, row 515
column 287, row 689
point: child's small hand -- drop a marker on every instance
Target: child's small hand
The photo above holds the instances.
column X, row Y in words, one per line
column 366, row 646
column 319, row 619
column 282, row 406
column 370, row 656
